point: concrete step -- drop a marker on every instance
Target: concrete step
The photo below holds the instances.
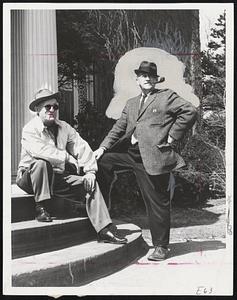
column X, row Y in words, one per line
column 79, row 264
column 33, row 237
column 23, row 206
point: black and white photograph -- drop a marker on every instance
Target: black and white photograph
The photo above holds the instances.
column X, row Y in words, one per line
column 118, row 149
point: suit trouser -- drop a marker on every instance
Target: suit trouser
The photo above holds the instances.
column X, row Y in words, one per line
column 40, row 180
column 153, row 190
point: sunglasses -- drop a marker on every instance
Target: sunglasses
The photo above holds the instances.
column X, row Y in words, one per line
column 54, row 106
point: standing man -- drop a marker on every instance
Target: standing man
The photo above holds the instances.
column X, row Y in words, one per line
column 141, row 141
column 51, row 157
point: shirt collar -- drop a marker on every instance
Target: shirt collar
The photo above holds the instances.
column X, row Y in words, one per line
column 148, row 94
column 41, row 126
column 145, row 96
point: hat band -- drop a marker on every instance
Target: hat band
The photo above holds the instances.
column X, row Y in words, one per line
column 147, row 71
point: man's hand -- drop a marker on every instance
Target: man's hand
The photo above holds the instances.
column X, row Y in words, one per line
column 74, row 179
column 99, row 152
column 89, row 182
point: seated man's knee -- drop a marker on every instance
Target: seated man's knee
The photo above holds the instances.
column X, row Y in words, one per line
column 43, row 164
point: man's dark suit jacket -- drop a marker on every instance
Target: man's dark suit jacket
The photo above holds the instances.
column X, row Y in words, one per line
column 164, row 113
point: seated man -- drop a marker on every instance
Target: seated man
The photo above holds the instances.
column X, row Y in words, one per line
column 48, row 145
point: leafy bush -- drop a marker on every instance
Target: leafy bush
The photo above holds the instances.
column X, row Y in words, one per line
column 206, row 160
column 202, row 155
column 191, row 187
column 126, row 199
column 92, row 125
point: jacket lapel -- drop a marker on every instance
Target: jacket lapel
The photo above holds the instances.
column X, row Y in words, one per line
column 150, row 99
column 135, row 107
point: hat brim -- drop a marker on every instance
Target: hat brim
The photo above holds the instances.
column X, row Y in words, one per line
column 159, row 78
column 137, row 71
column 36, row 102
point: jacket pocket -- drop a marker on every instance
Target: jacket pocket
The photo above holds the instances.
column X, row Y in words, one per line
column 160, row 122
column 167, row 154
column 164, row 146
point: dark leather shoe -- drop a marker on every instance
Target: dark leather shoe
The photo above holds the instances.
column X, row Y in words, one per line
column 160, row 253
column 42, row 215
column 111, row 237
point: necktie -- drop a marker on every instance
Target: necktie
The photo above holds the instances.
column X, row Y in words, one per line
column 142, row 103
column 53, row 131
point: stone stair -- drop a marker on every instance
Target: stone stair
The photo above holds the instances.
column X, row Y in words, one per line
column 79, row 264
column 64, row 252
column 23, row 206
column 43, row 237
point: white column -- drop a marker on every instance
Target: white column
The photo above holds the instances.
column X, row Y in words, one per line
column 33, row 66
column 41, row 53
column 17, row 84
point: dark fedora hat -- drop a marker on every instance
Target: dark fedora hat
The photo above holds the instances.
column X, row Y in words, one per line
column 43, row 95
column 149, row 68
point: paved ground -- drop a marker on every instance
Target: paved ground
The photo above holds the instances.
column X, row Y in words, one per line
column 199, row 267
column 199, row 262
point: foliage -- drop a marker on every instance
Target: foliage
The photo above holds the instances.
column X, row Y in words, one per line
column 191, row 187
column 212, row 126
column 126, row 201
column 92, row 125
column 213, row 129
column 213, row 68
column 86, row 38
column 78, row 47
column 214, row 58
column 202, row 155
column 207, row 162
